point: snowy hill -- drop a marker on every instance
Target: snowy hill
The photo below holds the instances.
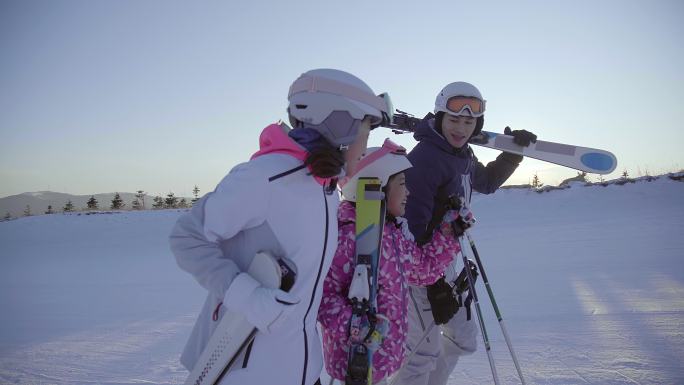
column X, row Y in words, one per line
column 40, row 200
column 590, row 281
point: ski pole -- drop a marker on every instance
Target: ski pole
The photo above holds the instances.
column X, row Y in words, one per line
column 413, row 352
column 470, row 281
column 478, row 311
column 459, row 287
column 496, row 307
column 455, row 290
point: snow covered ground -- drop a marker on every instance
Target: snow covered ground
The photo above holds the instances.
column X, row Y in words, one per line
column 590, row 281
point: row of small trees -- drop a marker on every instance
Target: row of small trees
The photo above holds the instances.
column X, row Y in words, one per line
column 158, row 203
column 581, row 176
column 172, row 202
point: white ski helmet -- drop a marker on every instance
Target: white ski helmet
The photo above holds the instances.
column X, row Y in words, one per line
column 460, row 99
column 379, row 162
column 333, row 102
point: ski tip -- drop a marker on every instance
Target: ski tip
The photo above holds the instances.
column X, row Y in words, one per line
column 600, row 162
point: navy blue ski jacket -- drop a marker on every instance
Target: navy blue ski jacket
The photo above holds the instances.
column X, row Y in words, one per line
column 440, row 170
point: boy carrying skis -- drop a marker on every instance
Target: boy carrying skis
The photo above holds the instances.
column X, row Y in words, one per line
column 444, row 166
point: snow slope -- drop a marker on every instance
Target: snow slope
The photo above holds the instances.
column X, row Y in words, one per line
column 590, row 282
column 40, row 200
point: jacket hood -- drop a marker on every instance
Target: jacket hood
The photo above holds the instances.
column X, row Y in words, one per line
column 274, row 139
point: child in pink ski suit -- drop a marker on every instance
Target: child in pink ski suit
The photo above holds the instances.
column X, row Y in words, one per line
column 401, row 262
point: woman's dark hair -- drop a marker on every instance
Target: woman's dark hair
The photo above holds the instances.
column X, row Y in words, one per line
column 325, row 161
column 439, row 116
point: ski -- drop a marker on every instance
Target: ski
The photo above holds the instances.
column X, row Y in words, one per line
column 233, row 333
column 580, row 158
column 370, row 221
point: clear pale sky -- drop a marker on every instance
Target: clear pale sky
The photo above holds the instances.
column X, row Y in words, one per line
column 104, row 96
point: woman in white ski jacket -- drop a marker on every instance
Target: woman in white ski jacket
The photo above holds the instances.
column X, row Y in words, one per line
column 283, row 201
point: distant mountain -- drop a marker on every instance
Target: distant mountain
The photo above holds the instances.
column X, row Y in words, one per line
column 40, row 200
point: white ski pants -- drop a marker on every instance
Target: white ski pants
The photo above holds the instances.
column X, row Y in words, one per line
column 437, row 356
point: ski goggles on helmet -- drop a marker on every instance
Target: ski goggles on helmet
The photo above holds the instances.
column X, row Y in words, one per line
column 380, row 162
column 458, row 105
column 388, row 147
column 387, row 112
column 379, row 107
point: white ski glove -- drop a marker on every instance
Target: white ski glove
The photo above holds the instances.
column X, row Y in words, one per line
column 264, row 308
column 405, row 229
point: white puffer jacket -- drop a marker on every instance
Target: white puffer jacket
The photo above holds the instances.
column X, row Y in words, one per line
column 270, row 203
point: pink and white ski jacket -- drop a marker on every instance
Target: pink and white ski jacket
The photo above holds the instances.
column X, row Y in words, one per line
column 401, row 262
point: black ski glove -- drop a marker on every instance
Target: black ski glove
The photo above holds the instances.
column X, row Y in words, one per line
column 521, row 137
column 442, row 301
column 510, row 157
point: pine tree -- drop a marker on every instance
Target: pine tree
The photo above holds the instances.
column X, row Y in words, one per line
column 92, row 203
column 171, row 202
column 117, row 202
column 27, row 211
column 183, row 204
column 69, row 207
column 582, row 175
column 141, row 197
column 136, row 204
column 625, row 175
column 49, row 210
column 195, row 192
column 536, row 183
column 158, row 202
column 8, row 216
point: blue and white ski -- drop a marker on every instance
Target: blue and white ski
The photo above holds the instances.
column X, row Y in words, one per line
column 585, row 159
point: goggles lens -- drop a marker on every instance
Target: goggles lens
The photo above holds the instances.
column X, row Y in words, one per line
column 457, row 105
